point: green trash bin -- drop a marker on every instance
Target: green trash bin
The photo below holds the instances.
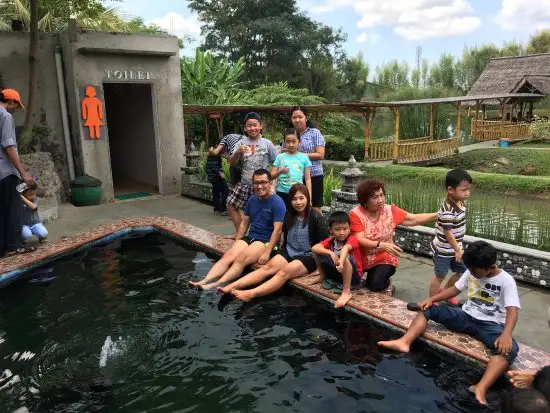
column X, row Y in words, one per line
column 86, row 190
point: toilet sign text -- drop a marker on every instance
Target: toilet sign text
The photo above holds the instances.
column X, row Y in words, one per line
column 127, row 74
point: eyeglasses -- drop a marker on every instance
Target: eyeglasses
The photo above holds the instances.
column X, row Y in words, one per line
column 261, row 183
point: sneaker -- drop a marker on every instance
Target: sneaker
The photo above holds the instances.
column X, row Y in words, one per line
column 224, row 214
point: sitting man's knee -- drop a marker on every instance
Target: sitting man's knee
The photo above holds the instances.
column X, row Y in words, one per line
column 283, row 275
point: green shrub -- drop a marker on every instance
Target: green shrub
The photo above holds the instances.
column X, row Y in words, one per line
column 340, row 149
column 331, row 181
column 540, row 129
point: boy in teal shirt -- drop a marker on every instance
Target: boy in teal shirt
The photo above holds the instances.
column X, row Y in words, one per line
column 291, row 167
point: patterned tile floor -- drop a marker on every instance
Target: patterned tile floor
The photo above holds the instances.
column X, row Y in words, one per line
column 380, row 307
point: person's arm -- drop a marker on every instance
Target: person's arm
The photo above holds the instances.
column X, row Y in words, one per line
column 273, row 240
column 323, row 248
column 13, row 157
column 442, row 296
column 216, row 151
column 453, row 243
column 412, row 220
column 504, row 342
column 30, row 204
column 318, row 155
column 307, row 179
column 234, row 159
column 245, row 223
column 344, row 252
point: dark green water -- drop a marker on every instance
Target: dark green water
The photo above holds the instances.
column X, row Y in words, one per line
column 177, row 350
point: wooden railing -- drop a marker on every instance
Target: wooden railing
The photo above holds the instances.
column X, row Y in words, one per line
column 486, row 130
column 380, row 151
column 427, row 150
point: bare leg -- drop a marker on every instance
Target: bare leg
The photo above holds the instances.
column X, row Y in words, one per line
column 256, row 277
column 522, row 378
column 249, row 256
column 223, row 264
column 346, row 290
column 236, row 217
column 496, row 367
column 403, row 344
column 292, row 270
column 451, row 281
column 435, row 285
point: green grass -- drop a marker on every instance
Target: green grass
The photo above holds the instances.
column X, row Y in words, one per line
column 485, row 182
column 509, row 161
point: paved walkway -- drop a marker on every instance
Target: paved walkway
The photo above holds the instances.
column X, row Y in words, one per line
column 411, row 279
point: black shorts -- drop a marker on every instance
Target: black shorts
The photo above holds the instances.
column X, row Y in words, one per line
column 285, row 198
column 307, row 260
column 250, row 240
column 236, row 173
column 332, row 273
column 317, row 190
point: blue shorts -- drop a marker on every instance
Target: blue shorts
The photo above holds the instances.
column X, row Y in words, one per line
column 457, row 320
column 331, row 272
column 442, row 265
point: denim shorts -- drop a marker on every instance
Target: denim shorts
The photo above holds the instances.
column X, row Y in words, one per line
column 442, row 265
column 331, row 272
column 457, row 320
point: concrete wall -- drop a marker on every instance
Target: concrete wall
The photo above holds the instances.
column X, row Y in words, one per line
column 14, row 66
column 120, row 52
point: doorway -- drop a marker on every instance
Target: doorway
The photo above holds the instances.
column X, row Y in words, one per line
column 132, row 143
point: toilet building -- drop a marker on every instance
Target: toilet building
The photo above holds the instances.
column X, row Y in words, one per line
column 108, row 105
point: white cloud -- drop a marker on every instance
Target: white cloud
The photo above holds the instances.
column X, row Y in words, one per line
column 368, row 38
column 528, row 15
column 178, row 25
column 412, row 19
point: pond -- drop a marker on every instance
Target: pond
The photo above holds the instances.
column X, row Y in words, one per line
column 113, row 329
column 514, row 220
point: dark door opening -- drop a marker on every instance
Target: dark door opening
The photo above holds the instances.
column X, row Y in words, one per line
column 131, row 131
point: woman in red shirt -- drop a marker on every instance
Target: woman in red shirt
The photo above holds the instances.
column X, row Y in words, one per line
column 373, row 223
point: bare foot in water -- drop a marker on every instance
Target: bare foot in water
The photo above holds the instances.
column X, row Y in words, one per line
column 342, row 300
column 225, row 290
column 243, row 295
column 397, row 345
column 521, row 378
column 194, row 284
column 207, row 286
column 479, row 393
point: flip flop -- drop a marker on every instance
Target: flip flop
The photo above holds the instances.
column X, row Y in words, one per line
column 20, row 251
column 413, row 307
column 329, row 284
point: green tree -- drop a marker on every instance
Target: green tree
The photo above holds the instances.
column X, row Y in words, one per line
column 393, row 74
column 206, row 80
column 353, row 83
column 539, row 42
column 276, row 42
column 472, row 63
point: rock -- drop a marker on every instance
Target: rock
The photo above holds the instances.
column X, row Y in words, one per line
column 503, row 161
column 40, row 165
column 528, row 170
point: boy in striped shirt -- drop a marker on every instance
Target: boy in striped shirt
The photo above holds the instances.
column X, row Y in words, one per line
column 450, row 229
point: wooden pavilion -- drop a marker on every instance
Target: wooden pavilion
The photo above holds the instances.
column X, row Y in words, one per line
column 400, row 149
column 516, row 74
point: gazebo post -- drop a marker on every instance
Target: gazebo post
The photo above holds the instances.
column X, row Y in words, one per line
column 273, row 128
column 432, row 121
column 206, row 130
column 476, row 117
column 396, row 135
column 221, row 126
column 366, row 114
column 458, row 122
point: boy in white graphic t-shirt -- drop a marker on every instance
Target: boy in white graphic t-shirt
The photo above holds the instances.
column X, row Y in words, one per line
column 490, row 314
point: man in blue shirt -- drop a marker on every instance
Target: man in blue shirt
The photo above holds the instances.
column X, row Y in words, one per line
column 11, row 172
column 264, row 214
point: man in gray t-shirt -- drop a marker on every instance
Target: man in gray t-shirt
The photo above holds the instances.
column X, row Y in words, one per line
column 11, row 172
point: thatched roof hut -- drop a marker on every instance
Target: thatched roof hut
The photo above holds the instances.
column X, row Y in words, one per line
column 516, row 74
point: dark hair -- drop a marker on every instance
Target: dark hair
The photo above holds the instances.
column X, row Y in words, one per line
column 252, row 115
column 259, row 172
column 456, row 176
column 291, row 213
column 31, row 187
column 366, row 190
column 480, row 254
column 291, row 131
column 542, row 381
column 338, row 217
column 524, row 401
column 309, row 122
column 2, row 98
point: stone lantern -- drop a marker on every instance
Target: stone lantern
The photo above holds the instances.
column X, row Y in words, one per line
column 192, row 157
column 351, row 176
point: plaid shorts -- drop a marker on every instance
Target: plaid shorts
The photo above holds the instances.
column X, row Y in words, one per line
column 239, row 195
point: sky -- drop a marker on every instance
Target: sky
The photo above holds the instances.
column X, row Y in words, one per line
column 384, row 30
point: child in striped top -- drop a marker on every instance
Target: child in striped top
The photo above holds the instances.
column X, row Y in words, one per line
column 450, row 229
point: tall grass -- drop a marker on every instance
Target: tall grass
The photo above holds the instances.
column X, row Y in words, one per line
column 330, row 183
column 501, row 218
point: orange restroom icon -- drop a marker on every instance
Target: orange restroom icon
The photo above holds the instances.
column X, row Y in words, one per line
column 92, row 113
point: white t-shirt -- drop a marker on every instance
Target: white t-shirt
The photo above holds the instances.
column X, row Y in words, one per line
column 489, row 297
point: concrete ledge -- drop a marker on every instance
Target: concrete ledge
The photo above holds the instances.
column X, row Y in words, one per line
column 388, row 311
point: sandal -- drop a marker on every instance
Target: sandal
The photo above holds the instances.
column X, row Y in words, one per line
column 20, row 251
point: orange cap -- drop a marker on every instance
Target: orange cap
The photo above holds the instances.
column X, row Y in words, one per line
column 10, row 94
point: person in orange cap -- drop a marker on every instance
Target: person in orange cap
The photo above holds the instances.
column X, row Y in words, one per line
column 11, row 174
